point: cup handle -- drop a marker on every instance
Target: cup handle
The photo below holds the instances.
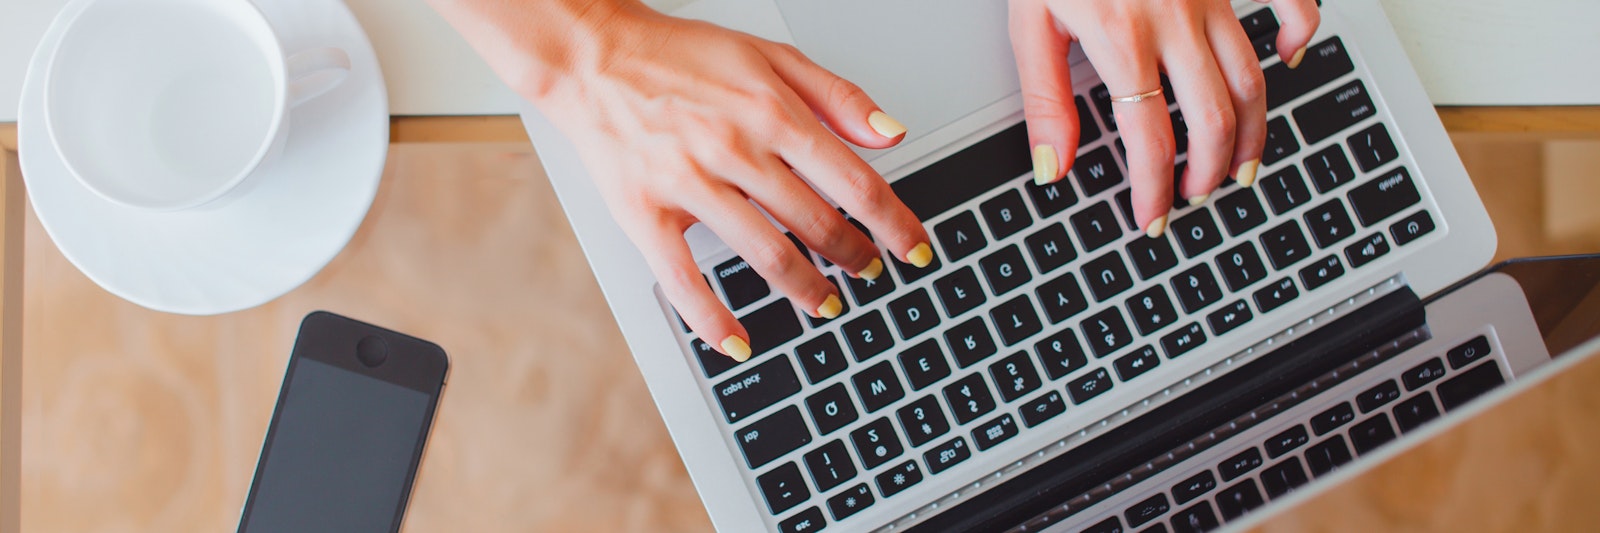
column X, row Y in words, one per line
column 314, row 72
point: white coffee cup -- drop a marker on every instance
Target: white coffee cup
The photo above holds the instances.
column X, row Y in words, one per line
column 174, row 104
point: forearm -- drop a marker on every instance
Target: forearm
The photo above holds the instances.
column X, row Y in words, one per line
column 533, row 44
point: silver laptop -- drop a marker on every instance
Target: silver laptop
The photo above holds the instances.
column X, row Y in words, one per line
column 1055, row 368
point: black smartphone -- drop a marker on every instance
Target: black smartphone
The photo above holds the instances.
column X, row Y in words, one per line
column 348, row 432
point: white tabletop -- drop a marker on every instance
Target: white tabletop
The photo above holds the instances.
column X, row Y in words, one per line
column 1468, row 52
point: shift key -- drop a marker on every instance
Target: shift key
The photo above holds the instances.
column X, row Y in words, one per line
column 1376, row 200
column 762, row 386
column 772, row 437
column 1333, row 112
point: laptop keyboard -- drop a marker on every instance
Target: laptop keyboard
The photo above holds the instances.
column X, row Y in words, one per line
column 1042, row 299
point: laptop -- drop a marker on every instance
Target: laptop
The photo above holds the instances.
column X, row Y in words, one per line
column 1054, row 368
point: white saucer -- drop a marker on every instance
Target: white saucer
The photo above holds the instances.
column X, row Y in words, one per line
column 300, row 213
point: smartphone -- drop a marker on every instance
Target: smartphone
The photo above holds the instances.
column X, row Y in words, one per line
column 347, row 435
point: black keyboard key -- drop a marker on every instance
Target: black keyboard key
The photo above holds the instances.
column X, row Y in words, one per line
column 1471, row 384
column 1196, row 288
column 1096, row 226
column 1005, row 214
column 1327, row 455
column 844, row 306
column 1283, row 477
column 1377, row 396
column 899, row 478
column 769, row 327
column 1050, row 248
column 1060, row 354
column 1373, row 147
column 1240, row 266
column 1332, row 418
column 1321, row 272
column 1046, row 407
column 740, row 283
column 799, row 245
column 999, row 160
column 867, row 335
column 1411, row 228
column 1285, row 245
column 1414, row 412
column 803, row 522
column 1180, row 133
column 1240, row 464
column 969, row 398
column 1376, row 200
column 1275, row 295
column 1286, row 441
column 993, row 432
column 1087, row 131
column 1090, row 385
column 946, row 455
column 1151, row 310
column 1365, row 250
column 1137, row 363
column 910, row 273
column 1146, row 510
column 1183, row 340
column 1109, row 525
column 783, row 488
column 830, row 465
column 878, row 386
column 831, row 409
column 1259, row 24
column 913, row 314
column 1194, row 487
column 923, row 420
column 867, row 291
column 1280, row 142
column 1016, row 320
column 960, row 236
column 1096, row 171
column 970, row 342
column 1102, row 103
column 850, row 502
column 1423, row 374
column 959, row 292
column 1014, row 376
column 756, row 389
column 1229, row 317
column 1285, row 190
column 1467, row 352
column 712, row 361
column 876, row 443
column 1333, row 112
column 1152, row 257
column 1051, row 198
column 924, row 364
column 821, row 357
column 1061, row 298
column 1235, row 501
column 1106, row 332
column 1329, row 224
column 1195, row 519
column 1329, row 168
column 771, row 437
column 1371, row 433
column 1241, row 211
column 1107, row 276
column 1125, row 204
column 1004, row 270
column 1324, row 62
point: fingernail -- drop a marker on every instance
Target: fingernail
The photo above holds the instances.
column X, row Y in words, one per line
column 885, row 125
column 873, row 270
column 1156, row 227
column 830, row 307
column 736, row 348
column 1294, row 62
column 1045, row 164
column 1247, row 172
column 920, row 256
column 1199, row 199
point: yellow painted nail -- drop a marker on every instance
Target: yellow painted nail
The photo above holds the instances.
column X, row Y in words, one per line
column 1156, row 227
column 1045, row 164
column 885, row 125
column 1200, row 199
column 873, row 270
column 736, row 348
column 1247, row 172
column 830, row 307
column 1294, row 61
column 920, row 256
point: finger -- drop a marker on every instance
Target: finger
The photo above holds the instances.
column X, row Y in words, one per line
column 1202, row 95
column 1127, row 65
column 842, row 105
column 795, row 205
column 1041, row 50
column 660, row 239
column 728, row 214
column 1236, row 59
column 862, row 192
column 1298, row 21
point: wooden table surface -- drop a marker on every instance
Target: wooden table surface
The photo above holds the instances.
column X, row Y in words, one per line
column 117, row 418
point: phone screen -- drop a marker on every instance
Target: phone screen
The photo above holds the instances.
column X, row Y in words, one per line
column 340, row 452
